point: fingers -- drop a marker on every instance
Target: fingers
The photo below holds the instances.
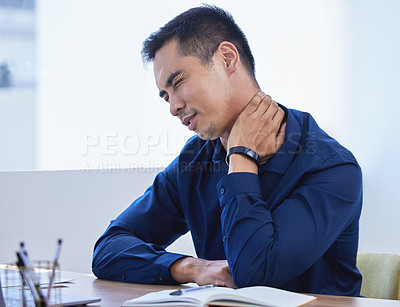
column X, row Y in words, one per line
column 259, row 126
column 257, row 103
column 225, row 276
column 280, row 137
column 263, row 105
column 216, row 272
column 267, row 108
column 277, row 116
column 260, row 105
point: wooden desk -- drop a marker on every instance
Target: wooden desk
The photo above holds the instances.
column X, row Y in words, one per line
column 113, row 294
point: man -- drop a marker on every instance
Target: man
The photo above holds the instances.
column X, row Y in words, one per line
column 269, row 198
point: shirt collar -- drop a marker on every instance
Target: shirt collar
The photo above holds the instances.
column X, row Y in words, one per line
column 219, row 152
column 281, row 161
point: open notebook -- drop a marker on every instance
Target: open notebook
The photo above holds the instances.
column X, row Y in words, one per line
column 219, row 296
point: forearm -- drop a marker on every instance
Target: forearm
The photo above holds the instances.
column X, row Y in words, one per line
column 121, row 256
column 262, row 248
column 271, row 239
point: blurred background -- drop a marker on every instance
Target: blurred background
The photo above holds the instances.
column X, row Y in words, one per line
column 74, row 94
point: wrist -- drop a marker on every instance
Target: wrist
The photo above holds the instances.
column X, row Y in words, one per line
column 240, row 163
column 184, row 269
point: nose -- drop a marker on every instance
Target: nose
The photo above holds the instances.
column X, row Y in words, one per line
column 176, row 104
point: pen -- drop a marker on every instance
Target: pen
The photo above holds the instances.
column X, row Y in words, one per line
column 29, row 276
column 182, row 291
column 55, row 264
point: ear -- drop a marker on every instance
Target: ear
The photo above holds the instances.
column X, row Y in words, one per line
column 229, row 55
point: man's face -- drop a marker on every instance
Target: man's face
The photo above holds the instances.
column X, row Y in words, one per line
column 198, row 95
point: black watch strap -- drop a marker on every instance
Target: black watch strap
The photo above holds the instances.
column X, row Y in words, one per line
column 245, row 151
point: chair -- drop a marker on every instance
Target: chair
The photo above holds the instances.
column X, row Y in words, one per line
column 381, row 275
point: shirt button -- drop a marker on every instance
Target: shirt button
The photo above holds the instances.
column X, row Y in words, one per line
column 160, row 277
column 123, row 276
column 224, row 239
column 222, row 191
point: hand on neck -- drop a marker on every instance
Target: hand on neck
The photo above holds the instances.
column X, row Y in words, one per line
column 241, row 100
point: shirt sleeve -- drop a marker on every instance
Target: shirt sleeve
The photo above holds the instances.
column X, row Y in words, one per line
column 271, row 244
column 132, row 248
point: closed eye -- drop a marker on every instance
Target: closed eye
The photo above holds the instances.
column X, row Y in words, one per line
column 175, row 79
column 166, row 98
column 177, row 82
column 164, row 95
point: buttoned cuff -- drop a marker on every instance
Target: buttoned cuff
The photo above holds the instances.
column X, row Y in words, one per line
column 163, row 264
column 237, row 183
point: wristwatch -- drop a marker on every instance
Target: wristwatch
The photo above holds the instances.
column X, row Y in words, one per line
column 245, row 151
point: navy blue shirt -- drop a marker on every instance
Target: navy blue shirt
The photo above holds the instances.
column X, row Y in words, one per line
column 294, row 226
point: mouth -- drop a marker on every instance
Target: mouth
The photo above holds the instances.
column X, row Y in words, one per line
column 189, row 121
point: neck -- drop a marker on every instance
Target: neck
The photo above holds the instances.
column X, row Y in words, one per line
column 239, row 101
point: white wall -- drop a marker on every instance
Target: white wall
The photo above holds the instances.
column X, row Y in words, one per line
column 98, row 107
column 370, row 116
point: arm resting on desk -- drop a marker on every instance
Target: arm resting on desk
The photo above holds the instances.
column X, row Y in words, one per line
column 121, row 256
column 132, row 249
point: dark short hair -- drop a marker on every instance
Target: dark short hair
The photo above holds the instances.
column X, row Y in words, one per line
column 199, row 32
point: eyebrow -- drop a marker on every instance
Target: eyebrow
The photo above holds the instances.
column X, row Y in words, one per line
column 170, row 78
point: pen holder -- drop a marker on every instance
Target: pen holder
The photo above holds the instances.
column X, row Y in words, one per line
column 17, row 293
